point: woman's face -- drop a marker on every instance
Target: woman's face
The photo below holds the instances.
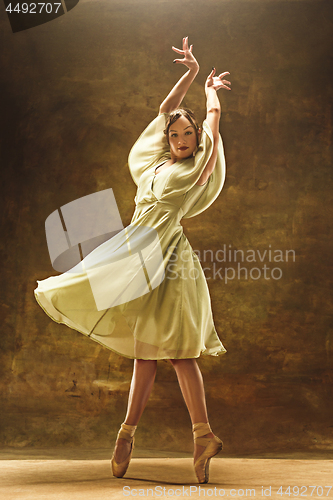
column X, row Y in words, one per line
column 182, row 139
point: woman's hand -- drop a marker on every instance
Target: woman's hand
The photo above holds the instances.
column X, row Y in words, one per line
column 189, row 59
column 217, row 82
column 177, row 94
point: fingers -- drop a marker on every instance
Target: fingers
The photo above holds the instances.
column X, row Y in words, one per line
column 221, row 86
column 185, row 47
column 177, row 50
column 212, row 73
column 189, row 59
column 225, row 73
column 223, row 82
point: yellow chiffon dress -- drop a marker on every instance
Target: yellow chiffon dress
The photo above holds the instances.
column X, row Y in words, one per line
column 143, row 293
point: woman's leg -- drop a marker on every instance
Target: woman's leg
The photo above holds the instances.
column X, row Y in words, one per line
column 141, row 385
column 192, row 387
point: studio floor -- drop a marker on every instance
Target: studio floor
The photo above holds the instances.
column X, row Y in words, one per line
column 77, row 479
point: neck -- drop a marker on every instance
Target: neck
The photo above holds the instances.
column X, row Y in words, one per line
column 173, row 158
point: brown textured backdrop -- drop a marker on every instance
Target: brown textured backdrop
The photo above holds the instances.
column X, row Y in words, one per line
column 75, row 94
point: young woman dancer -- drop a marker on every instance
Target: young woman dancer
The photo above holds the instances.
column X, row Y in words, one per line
column 179, row 170
column 183, row 137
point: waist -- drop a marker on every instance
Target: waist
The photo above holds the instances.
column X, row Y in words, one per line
column 142, row 205
column 157, row 202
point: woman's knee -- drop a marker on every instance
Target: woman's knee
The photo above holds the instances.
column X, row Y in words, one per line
column 175, row 362
column 182, row 362
column 143, row 364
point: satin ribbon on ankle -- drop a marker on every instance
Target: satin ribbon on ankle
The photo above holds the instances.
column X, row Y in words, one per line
column 200, row 429
column 127, row 432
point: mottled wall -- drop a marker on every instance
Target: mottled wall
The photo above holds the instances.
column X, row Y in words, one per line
column 75, row 95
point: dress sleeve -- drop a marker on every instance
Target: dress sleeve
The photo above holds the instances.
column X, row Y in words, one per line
column 149, row 148
column 199, row 198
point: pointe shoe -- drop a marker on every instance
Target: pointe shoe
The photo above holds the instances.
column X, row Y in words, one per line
column 126, row 432
column 212, row 445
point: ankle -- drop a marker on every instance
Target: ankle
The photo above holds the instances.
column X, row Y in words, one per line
column 126, row 432
column 208, row 435
column 201, row 429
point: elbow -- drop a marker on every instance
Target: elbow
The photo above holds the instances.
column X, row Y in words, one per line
column 214, row 110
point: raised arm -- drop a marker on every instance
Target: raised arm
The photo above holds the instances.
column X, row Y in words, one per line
column 212, row 85
column 177, row 94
